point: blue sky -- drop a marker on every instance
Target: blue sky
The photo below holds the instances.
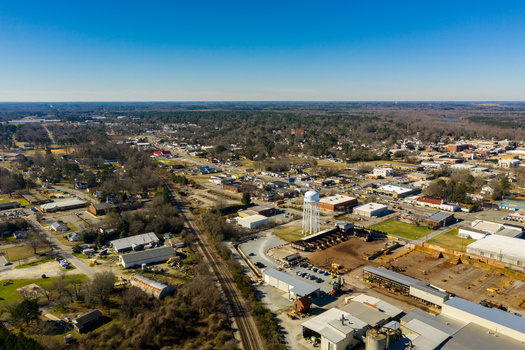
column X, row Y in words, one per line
column 262, row 51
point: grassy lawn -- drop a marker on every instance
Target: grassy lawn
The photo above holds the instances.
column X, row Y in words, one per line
column 450, row 240
column 402, row 229
column 80, row 256
column 289, row 233
column 9, row 293
column 71, row 226
column 35, row 262
column 64, row 241
column 20, row 200
column 21, row 252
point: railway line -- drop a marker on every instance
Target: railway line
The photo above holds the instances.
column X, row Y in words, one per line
column 236, row 305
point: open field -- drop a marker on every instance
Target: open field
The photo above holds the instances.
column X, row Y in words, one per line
column 451, row 240
column 35, row 262
column 289, row 233
column 21, row 252
column 9, row 292
column 20, row 200
column 402, row 229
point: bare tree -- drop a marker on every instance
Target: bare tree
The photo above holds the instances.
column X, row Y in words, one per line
column 35, row 241
column 100, row 288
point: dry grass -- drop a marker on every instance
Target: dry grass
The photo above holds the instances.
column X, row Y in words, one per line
column 21, row 252
column 450, row 240
column 289, row 233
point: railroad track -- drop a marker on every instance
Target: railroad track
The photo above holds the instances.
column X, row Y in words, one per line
column 236, row 305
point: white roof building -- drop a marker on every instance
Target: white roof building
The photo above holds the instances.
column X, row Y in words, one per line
column 507, row 250
column 127, row 243
column 252, row 221
column 371, row 209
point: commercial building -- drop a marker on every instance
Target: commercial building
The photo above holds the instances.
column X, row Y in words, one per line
column 495, row 228
column 410, row 167
column 436, row 203
column 509, row 163
column 405, row 285
column 63, row 205
column 394, row 190
column 252, row 221
column 507, row 204
column 101, row 208
column 507, row 250
column 383, row 172
column 457, row 147
column 371, row 209
column 10, row 205
column 435, row 220
column 295, row 287
column 337, row 202
column 34, row 198
column 150, row 286
column 133, row 242
column 150, row 256
column 420, row 176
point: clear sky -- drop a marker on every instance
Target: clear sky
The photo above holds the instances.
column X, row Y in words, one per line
column 320, row 50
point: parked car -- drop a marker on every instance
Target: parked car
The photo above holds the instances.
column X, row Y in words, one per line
column 8, row 263
column 68, row 319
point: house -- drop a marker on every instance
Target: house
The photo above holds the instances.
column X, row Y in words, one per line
column 20, row 234
column 162, row 153
column 303, row 304
column 87, row 321
column 74, row 237
column 81, row 185
column 59, row 226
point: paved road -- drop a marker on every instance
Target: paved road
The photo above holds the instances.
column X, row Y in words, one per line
column 64, row 251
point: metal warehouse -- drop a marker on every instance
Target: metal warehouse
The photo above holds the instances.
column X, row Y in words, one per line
column 252, row 221
column 405, row 285
column 493, row 319
column 147, row 257
column 508, row 250
column 295, row 287
column 150, row 286
column 133, row 242
column 63, row 205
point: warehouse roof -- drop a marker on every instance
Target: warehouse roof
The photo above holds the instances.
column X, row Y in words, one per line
column 497, row 244
column 254, row 218
column 396, row 188
column 503, row 318
column 128, row 242
column 300, row 287
column 514, row 205
column 66, row 203
column 439, row 216
column 382, row 305
column 405, row 280
column 365, row 313
column 147, row 254
column 371, row 207
column 474, row 336
column 329, row 325
column 151, row 282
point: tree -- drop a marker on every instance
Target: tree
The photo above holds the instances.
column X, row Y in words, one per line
column 26, row 311
column 35, row 241
column 246, row 198
column 100, row 287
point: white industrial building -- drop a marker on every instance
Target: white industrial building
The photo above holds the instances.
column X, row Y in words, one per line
column 508, row 163
column 295, row 287
column 252, row 221
column 493, row 319
column 371, row 209
column 337, row 329
column 150, row 256
column 150, row 286
column 507, row 250
column 482, row 228
column 133, row 242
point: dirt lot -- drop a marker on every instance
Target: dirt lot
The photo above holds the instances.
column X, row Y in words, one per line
column 465, row 281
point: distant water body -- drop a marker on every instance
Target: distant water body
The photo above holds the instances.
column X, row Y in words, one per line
column 452, row 119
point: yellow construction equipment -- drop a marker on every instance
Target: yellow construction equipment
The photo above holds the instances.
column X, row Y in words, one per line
column 93, row 261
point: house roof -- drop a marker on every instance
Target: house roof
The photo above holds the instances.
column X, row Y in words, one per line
column 84, row 319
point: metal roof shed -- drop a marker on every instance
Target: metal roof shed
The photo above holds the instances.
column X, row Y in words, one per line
column 289, row 283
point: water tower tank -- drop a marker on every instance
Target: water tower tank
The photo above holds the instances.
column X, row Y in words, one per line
column 311, row 197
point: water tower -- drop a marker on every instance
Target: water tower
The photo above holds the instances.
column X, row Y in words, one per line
column 311, row 221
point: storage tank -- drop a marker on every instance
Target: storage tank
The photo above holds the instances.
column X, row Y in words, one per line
column 311, row 197
column 311, row 221
column 375, row 340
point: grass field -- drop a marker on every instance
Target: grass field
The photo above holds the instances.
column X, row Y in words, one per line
column 35, row 262
column 20, row 200
column 9, row 293
column 289, row 233
column 64, row 241
column 21, row 252
column 450, row 240
column 402, row 229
